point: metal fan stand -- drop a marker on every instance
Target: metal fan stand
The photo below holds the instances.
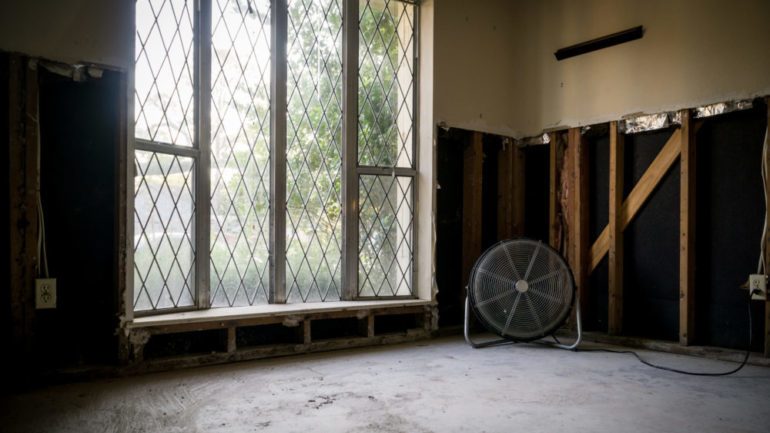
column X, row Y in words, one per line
column 499, row 341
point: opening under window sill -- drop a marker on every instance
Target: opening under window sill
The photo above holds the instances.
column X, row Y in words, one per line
column 269, row 310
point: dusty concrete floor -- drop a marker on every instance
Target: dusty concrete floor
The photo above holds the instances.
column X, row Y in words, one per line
column 435, row 386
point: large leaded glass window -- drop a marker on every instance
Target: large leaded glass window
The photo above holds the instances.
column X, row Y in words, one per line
column 242, row 126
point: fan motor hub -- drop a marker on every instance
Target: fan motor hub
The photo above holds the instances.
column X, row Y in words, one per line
column 522, row 286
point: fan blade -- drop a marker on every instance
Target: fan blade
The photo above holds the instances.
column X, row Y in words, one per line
column 547, row 276
column 544, row 295
column 532, row 261
column 534, row 314
column 497, row 277
column 513, row 310
column 495, row 298
column 510, row 261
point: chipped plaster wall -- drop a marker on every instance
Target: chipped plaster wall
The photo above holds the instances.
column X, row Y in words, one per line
column 68, row 30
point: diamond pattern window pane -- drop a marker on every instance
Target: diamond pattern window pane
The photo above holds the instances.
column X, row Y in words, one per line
column 386, row 83
column 164, row 251
column 240, row 152
column 163, row 74
column 385, row 236
column 313, row 150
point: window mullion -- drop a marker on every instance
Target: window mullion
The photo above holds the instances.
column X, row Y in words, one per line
column 350, row 151
column 127, row 164
column 202, row 35
column 415, row 139
column 278, row 64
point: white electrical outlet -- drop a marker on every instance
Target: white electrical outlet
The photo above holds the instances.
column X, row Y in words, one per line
column 758, row 282
column 45, row 293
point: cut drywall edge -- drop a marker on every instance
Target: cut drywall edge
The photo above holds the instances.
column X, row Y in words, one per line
column 477, row 126
column 580, row 123
column 577, row 122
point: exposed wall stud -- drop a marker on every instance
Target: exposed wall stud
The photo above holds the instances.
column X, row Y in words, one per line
column 231, row 339
column 553, row 216
column 307, row 331
column 687, row 211
column 23, row 209
column 615, row 280
column 471, row 237
column 518, row 192
column 504, row 190
column 767, row 240
column 124, row 235
column 578, row 230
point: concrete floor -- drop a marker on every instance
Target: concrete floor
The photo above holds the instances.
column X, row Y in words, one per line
column 435, row 386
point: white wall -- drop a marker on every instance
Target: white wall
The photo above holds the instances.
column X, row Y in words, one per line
column 494, row 63
column 68, row 30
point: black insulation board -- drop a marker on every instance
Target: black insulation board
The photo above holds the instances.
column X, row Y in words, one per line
column 651, row 245
column 730, row 215
column 536, row 192
column 5, row 251
column 449, row 224
column 80, row 136
column 598, row 147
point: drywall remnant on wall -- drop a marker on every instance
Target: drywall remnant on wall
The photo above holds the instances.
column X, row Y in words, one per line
column 70, row 31
column 475, row 70
column 693, row 53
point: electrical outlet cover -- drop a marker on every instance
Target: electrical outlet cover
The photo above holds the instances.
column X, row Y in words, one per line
column 758, row 282
column 45, row 293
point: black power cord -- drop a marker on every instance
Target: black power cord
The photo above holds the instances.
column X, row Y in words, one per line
column 689, row 373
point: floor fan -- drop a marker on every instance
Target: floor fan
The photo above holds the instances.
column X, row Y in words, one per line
column 521, row 290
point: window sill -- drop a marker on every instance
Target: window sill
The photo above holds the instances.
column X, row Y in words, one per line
column 271, row 310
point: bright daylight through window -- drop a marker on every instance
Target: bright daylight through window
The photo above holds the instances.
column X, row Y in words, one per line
column 242, row 127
